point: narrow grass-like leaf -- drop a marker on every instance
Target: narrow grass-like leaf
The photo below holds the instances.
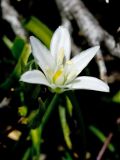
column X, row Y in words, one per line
column 80, row 122
column 27, row 154
column 7, row 42
column 19, row 68
column 17, row 47
column 40, row 116
column 37, row 132
column 69, row 105
column 35, row 137
column 68, row 156
column 116, row 97
column 39, row 29
column 65, row 127
column 101, row 137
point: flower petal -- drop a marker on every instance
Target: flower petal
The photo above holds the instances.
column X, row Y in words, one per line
column 61, row 40
column 81, row 61
column 35, row 77
column 41, row 54
column 89, row 83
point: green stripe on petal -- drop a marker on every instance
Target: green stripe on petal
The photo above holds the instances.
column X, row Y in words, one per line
column 61, row 39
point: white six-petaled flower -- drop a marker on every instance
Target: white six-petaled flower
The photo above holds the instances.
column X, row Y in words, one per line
column 58, row 71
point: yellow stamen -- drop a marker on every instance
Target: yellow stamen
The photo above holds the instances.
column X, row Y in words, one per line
column 57, row 74
column 69, row 62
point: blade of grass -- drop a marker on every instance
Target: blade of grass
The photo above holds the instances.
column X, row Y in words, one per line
column 15, row 47
column 7, row 42
column 37, row 133
column 101, row 137
column 19, row 68
column 68, row 157
column 69, row 106
column 26, row 155
column 104, row 147
column 65, row 127
column 80, row 123
column 116, row 97
column 36, row 139
column 39, row 29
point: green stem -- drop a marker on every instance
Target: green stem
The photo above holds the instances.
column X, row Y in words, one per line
column 49, row 111
column 27, row 154
column 80, row 121
column 45, row 119
column 8, row 42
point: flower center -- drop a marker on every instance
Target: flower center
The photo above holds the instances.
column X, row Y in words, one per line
column 57, row 74
column 62, row 74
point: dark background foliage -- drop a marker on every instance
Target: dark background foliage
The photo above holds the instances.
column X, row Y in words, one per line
column 97, row 108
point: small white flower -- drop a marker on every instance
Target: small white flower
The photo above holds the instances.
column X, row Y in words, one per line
column 58, row 71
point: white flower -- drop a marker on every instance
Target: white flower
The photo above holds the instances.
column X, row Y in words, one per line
column 58, row 71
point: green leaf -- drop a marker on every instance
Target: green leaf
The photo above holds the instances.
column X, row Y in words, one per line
column 80, row 122
column 69, row 105
column 40, row 116
column 23, row 60
column 17, row 47
column 23, row 110
column 101, row 137
column 27, row 154
column 65, row 127
column 39, row 29
column 22, row 97
column 19, row 68
column 116, row 97
column 7, row 42
column 36, row 139
column 36, row 134
column 35, row 117
column 67, row 156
